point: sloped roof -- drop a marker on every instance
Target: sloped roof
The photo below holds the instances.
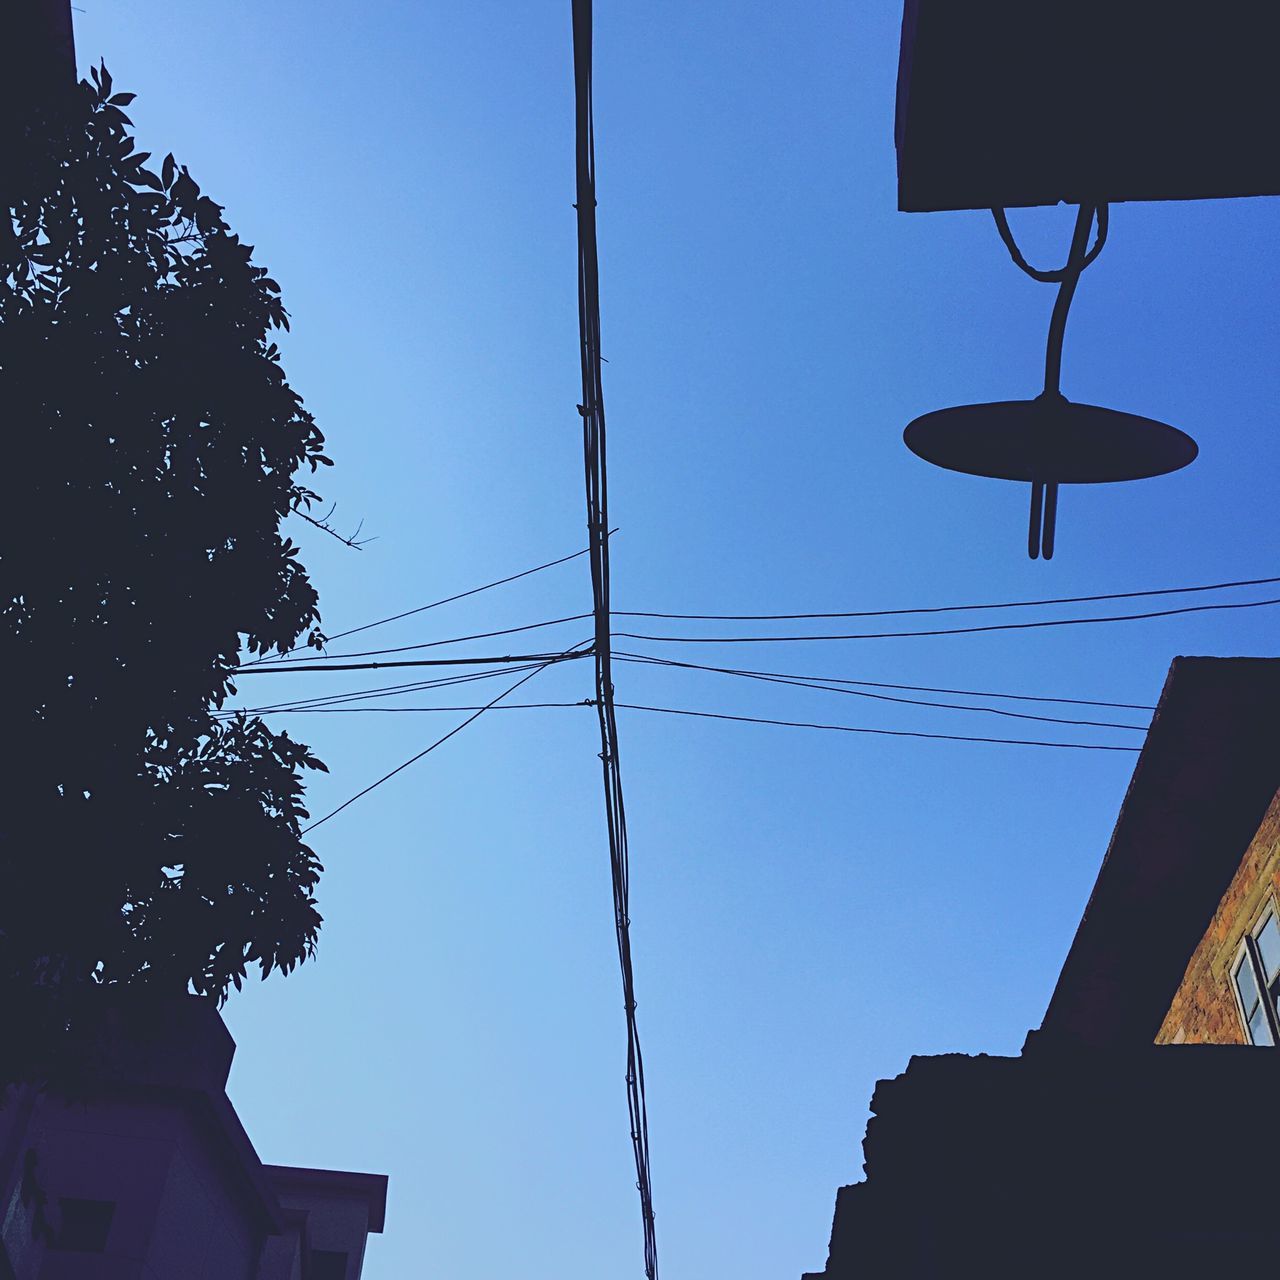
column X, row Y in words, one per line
column 1208, row 771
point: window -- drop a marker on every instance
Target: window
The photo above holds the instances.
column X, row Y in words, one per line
column 1256, row 978
column 327, row 1264
column 84, row 1225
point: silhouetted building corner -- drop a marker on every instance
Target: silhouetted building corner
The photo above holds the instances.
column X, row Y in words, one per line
column 1133, row 1134
column 147, row 1173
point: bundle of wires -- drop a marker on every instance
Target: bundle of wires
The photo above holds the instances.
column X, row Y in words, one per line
column 597, row 483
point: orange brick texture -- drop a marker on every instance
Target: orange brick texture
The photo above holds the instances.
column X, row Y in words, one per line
column 1204, row 1009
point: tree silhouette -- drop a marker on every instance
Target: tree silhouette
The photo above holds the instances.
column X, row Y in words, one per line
column 151, row 443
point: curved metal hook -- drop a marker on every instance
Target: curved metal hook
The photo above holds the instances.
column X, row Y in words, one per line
column 1049, row 277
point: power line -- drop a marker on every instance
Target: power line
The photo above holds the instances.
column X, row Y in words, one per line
column 829, row 684
column 319, row 660
column 596, row 477
column 880, row 684
column 373, row 786
column 435, row 604
column 436, row 644
column 297, row 667
column 948, row 608
column 391, row 690
column 718, row 715
column 890, row 733
column 351, row 711
column 333, row 662
column 537, row 658
column 947, row 631
column 357, row 695
column 802, row 682
column 462, row 595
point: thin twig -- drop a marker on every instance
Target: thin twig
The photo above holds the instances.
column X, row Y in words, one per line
column 355, row 541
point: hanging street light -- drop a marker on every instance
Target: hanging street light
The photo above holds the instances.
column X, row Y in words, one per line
column 1050, row 441
column 1006, row 104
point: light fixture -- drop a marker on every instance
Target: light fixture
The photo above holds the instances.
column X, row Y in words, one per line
column 1051, row 441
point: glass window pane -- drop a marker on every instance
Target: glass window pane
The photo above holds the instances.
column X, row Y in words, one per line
column 1269, row 946
column 1247, row 987
column 1259, row 1031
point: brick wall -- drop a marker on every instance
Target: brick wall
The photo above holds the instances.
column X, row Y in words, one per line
column 1203, row 1009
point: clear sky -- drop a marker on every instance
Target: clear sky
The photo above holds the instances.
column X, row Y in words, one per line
column 809, row 909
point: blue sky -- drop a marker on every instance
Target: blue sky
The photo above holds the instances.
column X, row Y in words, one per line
column 808, row 909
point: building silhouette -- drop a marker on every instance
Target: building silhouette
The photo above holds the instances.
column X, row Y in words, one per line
column 143, row 1171
column 1135, row 1135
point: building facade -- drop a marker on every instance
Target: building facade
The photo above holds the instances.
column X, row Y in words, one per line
column 145, row 1172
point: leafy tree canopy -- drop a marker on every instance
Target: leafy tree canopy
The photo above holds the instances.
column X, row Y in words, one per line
column 151, row 448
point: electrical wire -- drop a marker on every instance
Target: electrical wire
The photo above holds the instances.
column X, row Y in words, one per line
column 293, row 668
column 462, row 595
column 386, row 777
column 948, row 631
column 947, row 608
column 880, row 684
column 800, row 682
column 890, row 733
column 321, row 661
column 436, row 644
column 339, row 702
column 334, row 661
column 509, row 706
column 596, row 476
column 719, row 715
column 390, row 690
column 435, row 604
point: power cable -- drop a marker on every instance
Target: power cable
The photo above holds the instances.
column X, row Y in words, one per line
column 436, row 644
column 390, row 690
column 797, row 682
column 890, row 733
column 462, row 595
column 435, row 604
column 326, row 659
column 947, row 631
column 948, row 608
column 322, row 661
column 830, row 684
column 510, row 706
column 880, row 684
column 471, row 719
column 292, row 668
column 718, row 715
column 596, row 476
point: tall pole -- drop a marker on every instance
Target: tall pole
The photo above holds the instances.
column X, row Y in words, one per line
column 597, row 490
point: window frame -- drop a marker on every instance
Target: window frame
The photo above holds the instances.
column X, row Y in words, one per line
column 1248, row 952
